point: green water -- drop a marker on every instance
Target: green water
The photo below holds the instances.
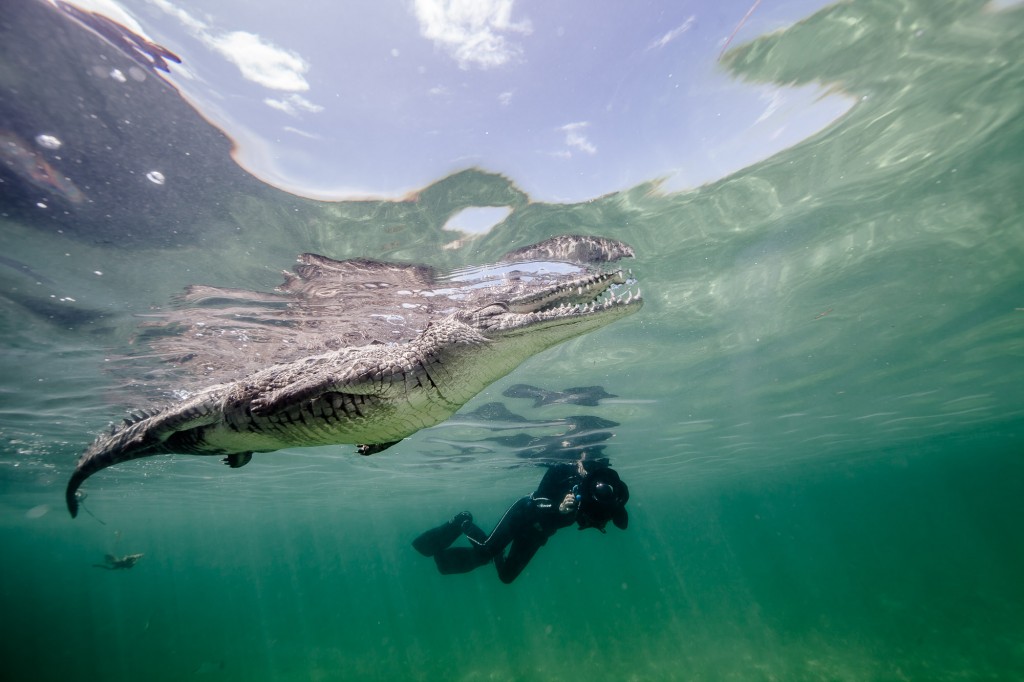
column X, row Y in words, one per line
column 819, row 414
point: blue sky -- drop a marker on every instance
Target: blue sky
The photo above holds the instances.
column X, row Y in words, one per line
column 570, row 100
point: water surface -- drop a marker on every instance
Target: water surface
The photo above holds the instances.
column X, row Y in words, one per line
column 818, row 409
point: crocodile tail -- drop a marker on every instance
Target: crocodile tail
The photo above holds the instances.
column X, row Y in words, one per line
column 107, row 451
column 121, row 444
column 70, row 494
column 142, row 434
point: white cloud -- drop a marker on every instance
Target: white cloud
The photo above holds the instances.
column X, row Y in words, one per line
column 194, row 25
column 293, row 104
column 263, row 62
column 775, row 100
column 575, row 139
column 112, row 10
column 259, row 60
column 673, row 34
column 302, row 133
column 472, row 31
column 505, row 98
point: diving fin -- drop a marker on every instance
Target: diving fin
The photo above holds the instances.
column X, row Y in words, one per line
column 436, row 539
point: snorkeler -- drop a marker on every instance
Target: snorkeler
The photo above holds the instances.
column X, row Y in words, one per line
column 588, row 493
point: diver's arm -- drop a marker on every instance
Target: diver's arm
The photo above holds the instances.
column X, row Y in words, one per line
column 557, row 481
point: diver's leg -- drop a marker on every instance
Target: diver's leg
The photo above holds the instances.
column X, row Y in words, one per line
column 460, row 559
column 519, row 554
column 483, row 547
column 434, row 540
column 475, row 534
column 508, row 527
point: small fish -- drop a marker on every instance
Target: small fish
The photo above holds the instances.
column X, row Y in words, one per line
column 113, row 563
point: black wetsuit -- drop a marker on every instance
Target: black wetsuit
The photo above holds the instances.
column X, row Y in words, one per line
column 527, row 525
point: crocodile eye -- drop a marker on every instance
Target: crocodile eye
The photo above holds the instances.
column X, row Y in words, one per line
column 486, row 317
column 491, row 309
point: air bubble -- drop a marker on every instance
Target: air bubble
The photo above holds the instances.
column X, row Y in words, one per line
column 48, row 141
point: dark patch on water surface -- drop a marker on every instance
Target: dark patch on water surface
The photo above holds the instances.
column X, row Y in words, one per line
column 573, row 436
column 132, row 163
column 590, row 396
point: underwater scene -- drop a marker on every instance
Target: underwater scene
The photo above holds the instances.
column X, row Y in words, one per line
column 786, row 387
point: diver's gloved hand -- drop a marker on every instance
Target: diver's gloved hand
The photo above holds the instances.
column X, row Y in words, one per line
column 461, row 520
column 568, row 505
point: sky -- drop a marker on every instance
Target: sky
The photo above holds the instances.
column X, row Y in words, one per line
column 570, row 100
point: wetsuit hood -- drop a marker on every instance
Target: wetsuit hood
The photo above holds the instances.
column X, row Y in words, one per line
column 602, row 498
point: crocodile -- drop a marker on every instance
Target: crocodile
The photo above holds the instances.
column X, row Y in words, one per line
column 376, row 394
